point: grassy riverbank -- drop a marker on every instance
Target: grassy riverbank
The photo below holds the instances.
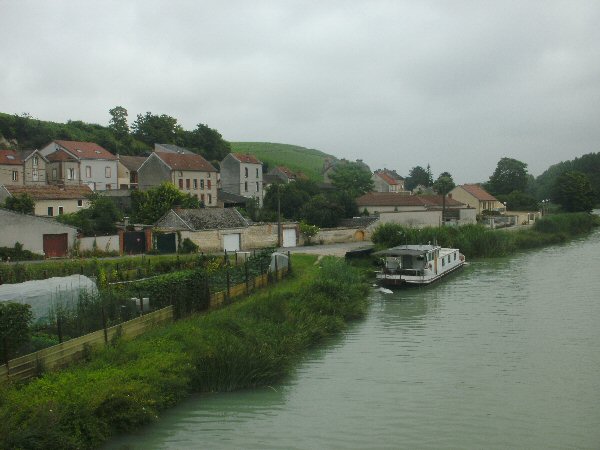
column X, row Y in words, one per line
column 254, row 342
column 478, row 241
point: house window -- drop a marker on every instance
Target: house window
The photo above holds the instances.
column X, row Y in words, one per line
column 246, row 186
column 50, row 211
column 79, row 203
column 202, row 198
column 88, row 171
column 54, row 174
column 195, row 184
column 257, row 189
column 257, row 172
column 34, row 174
column 107, row 172
column 201, row 184
column 210, row 199
column 208, row 184
column 35, row 161
column 187, row 184
column 71, row 173
column 61, row 210
column 181, row 183
column 245, row 172
column 15, row 175
column 108, row 186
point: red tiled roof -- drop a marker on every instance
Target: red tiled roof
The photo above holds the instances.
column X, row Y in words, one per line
column 86, row 150
column 60, row 155
column 478, row 192
column 388, row 199
column 179, row 161
column 395, row 199
column 387, row 178
column 246, row 158
column 436, row 200
column 286, row 171
column 51, row 191
column 10, row 157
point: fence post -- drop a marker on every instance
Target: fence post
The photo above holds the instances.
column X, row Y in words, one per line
column 225, row 258
column 5, row 345
column 228, row 285
column 59, row 328
column 276, row 270
column 246, row 274
column 104, row 324
column 289, row 263
column 236, row 258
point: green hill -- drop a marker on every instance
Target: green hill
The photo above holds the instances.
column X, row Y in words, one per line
column 299, row 159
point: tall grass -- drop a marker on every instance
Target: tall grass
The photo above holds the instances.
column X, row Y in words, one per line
column 479, row 241
column 253, row 342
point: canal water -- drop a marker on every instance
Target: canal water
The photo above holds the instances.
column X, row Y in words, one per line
column 505, row 354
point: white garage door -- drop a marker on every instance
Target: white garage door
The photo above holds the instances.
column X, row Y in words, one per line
column 231, row 242
column 289, row 237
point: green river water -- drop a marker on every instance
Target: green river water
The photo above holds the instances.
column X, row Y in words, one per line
column 505, row 354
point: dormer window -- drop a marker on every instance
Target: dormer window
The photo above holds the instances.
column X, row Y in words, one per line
column 35, row 161
column 10, row 157
column 79, row 151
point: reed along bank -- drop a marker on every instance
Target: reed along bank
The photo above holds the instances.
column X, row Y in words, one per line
column 477, row 241
column 255, row 341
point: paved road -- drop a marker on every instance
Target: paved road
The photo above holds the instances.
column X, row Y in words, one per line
column 328, row 250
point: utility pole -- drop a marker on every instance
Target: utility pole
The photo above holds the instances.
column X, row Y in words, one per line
column 278, row 216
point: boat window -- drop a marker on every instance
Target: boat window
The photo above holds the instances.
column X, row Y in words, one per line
column 443, row 262
column 454, row 256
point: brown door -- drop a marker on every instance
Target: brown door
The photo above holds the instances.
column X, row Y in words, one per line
column 56, row 245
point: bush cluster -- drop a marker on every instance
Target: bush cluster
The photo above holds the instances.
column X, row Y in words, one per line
column 479, row 241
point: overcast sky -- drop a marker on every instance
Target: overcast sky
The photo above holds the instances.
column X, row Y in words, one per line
column 456, row 84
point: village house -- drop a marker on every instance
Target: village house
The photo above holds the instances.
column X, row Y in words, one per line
column 51, row 200
column 241, row 174
column 284, row 174
column 329, row 166
column 475, row 196
column 385, row 180
column 38, row 235
column 190, row 172
column 73, row 163
column 11, row 168
column 127, row 171
column 415, row 210
column 34, row 167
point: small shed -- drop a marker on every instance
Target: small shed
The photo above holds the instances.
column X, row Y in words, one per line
column 40, row 235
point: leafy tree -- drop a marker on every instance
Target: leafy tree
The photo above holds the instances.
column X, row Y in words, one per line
column 292, row 197
column 149, row 206
column 151, row 128
column 442, row 186
column 573, row 192
column 352, row 178
column 418, row 176
column 588, row 164
column 206, row 141
column 15, row 319
column 510, row 175
column 22, row 203
column 345, row 201
column 309, row 231
column 99, row 219
column 519, row 201
column 118, row 122
column 319, row 210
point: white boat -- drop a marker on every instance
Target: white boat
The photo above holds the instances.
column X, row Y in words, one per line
column 417, row 264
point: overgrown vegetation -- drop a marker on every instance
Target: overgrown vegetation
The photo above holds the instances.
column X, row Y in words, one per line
column 479, row 241
column 251, row 343
column 17, row 253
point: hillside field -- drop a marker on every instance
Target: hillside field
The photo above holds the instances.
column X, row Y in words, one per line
column 306, row 160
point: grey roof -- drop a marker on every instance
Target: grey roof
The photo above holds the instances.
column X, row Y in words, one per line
column 170, row 148
column 358, row 222
column 228, row 197
column 132, row 163
column 202, row 219
column 413, row 250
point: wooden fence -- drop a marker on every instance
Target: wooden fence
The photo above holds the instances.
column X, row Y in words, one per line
column 61, row 355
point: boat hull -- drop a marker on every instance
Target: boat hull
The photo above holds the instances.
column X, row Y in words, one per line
column 415, row 280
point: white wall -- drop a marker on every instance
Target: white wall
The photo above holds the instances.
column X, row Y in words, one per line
column 103, row 243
